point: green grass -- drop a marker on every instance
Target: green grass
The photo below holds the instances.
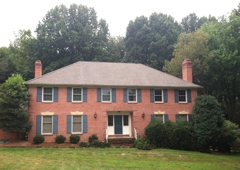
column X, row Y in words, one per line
column 118, row 158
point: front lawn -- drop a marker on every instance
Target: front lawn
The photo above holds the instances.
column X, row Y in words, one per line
column 112, row 158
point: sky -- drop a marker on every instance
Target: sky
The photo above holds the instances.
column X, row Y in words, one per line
column 17, row 15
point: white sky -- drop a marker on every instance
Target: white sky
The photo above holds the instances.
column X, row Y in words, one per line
column 25, row 14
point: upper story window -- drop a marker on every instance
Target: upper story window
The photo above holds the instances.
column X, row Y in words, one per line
column 76, row 94
column 47, row 94
column 132, row 95
column 158, row 96
column 106, row 94
column 182, row 97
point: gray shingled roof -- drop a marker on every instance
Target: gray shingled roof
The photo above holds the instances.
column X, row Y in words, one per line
column 110, row 74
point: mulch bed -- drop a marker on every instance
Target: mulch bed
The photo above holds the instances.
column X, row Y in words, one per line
column 26, row 144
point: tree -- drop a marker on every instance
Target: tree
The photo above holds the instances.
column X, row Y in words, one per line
column 192, row 23
column 224, row 47
column 208, row 120
column 151, row 41
column 14, row 102
column 116, row 49
column 6, row 65
column 65, row 36
column 22, row 52
column 192, row 46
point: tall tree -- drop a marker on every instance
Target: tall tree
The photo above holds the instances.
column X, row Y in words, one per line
column 22, row 51
column 14, row 102
column 66, row 35
column 192, row 22
column 192, row 46
column 224, row 47
column 6, row 65
column 151, row 41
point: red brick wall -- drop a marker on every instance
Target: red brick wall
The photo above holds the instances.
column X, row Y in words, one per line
column 10, row 136
column 98, row 126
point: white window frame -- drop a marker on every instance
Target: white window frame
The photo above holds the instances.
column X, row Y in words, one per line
column 77, row 94
column 43, row 94
column 43, row 123
column 184, row 115
column 72, row 124
column 105, row 95
column 163, row 117
column 129, row 96
column 158, row 95
column 182, row 95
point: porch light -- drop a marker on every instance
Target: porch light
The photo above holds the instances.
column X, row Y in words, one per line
column 143, row 115
column 95, row 115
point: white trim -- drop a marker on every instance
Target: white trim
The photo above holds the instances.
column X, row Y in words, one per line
column 135, row 96
column 106, row 94
column 72, row 125
column 185, row 97
column 77, row 94
column 162, row 96
column 42, row 125
column 43, row 94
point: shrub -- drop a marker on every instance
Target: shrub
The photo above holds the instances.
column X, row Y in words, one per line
column 208, row 121
column 160, row 134
column 60, row 139
column 74, row 139
column 97, row 143
column 84, row 144
column 38, row 139
column 230, row 134
column 142, row 144
column 92, row 138
column 183, row 136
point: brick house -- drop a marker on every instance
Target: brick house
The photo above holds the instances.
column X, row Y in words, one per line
column 107, row 99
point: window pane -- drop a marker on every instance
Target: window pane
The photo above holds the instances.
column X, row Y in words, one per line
column 110, row 120
column 125, row 120
column 158, row 98
column 76, row 90
column 106, row 98
column 77, row 124
column 159, row 117
column 47, row 124
column 158, row 92
column 106, row 91
column 132, row 92
column 182, row 98
column 47, row 90
column 183, row 117
column 47, row 97
column 76, row 97
column 182, row 92
column 132, row 98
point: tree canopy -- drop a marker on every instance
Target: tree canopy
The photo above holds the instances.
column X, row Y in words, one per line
column 14, row 102
column 66, row 35
column 151, row 41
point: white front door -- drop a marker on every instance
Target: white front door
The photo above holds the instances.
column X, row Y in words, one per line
column 119, row 123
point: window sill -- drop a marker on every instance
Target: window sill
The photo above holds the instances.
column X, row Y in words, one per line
column 47, row 134
column 77, row 133
column 182, row 102
column 106, row 101
column 158, row 102
column 76, row 101
column 132, row 102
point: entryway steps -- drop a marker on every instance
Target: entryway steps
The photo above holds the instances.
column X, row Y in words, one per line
column 121, row 140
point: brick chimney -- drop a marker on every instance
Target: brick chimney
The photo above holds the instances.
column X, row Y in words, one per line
column 38, row 68
column 187, row 70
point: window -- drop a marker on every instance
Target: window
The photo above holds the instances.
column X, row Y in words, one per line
column 161, row 117
column 132, row 95
column 77, row 124
column 47, row 94
column 110, row 120
column 184, row 117
column 182, row 96
column 158, row 96
column 125, row 120
column 47, row 125
column 106, row 94
column 77, row 94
